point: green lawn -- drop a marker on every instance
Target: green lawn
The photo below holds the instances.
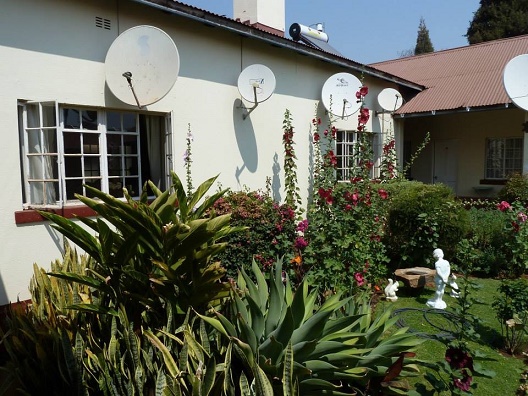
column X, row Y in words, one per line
column 507, row 368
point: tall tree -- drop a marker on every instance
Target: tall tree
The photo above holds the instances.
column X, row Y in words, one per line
column 497, row 19
column 423, row 42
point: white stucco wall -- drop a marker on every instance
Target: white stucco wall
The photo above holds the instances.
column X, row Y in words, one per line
column 52, row 50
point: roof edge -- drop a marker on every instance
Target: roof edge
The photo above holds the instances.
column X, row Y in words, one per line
column 211, row 19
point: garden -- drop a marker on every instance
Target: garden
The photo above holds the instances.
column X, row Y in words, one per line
column 191, row 291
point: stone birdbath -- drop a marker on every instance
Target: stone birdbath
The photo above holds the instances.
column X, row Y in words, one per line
column 415, row 278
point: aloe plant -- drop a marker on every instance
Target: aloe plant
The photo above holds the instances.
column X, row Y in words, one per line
column 286, row 342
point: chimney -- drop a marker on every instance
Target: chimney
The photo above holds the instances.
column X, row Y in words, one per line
column 268, row 15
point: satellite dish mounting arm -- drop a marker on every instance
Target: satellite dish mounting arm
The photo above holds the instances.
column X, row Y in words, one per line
column 255, row 86
column 128, row 77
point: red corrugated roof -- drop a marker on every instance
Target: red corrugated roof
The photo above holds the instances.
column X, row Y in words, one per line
column 458, row 78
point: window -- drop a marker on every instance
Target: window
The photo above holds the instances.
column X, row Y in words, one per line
column 503, row 157
column 65, row 148
column 346, row 142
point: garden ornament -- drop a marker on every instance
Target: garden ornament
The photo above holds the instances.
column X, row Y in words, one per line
column 455, row 292
column 391, row 289
column 443, row 271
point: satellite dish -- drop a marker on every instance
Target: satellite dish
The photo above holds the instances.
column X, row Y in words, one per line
column 256, row 83
column 142, row 65
column 339, row 94
column 515, row 79
column 390, row 99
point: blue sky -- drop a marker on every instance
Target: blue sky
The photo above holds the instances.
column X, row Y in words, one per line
column 369, row 31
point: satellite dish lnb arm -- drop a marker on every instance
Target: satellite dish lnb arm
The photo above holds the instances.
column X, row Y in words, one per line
column 255, row 86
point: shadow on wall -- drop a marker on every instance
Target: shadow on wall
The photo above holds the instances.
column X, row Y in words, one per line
column 3, row 292
column 246, row 140
column 275, row 183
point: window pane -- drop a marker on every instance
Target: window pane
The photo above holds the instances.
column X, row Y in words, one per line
column 50, row 141
column 89, row 119
column 33, row 115
column 34, row 143
column 91, row 166
column 73, row 186
column 131, row 166
column 113, row 121
column 115, row 187
column 72, row 118
column 48, row 116
column 95, row 183
column 91, row 143
column 72, row 166
column 113, row 144
column 129, row 122
column 114, row 166
column 132, row 185
column 130, row 143
column 72, row 142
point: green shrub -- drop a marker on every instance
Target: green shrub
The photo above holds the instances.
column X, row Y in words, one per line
column 422, row 217
column 516, row 189
column 270, row 230
column 512, row 302
column 486, row 237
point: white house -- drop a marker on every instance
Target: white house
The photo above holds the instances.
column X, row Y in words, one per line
column 64, row 127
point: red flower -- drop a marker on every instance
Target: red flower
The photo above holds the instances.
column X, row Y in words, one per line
column 363, row 91
column 316, row 137
column 326, row 195
column 503, row 206
column 359, row 279
column 383, row 194
column 364, row 115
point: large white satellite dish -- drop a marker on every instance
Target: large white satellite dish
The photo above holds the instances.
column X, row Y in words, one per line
column 390, row 99
column 256, row 83
column 142, row 65
column 339, row 94
column 515, row 79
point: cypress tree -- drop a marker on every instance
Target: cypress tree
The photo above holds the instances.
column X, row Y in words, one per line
column 423, row 42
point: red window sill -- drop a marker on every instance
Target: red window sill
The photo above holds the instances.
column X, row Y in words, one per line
column 32, row 216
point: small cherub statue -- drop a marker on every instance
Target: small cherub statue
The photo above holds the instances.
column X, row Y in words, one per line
column 443, row 271
column 391, row 289
column 455, row 292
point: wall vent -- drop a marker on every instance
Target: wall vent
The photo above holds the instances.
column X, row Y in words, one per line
column 103, row 23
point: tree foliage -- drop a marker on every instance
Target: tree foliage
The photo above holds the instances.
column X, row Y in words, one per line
column 496, row 19
column 423, row 41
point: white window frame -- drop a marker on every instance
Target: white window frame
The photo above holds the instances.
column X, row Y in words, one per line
column 165, row 142
column 503, row 170
column 344, row 161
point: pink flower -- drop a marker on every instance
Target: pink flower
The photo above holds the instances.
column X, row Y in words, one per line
column 363, row 91
column 522, row 217
column 300, row 243
column 383, row 194
column 359, row 279
column 302, row 226
column 503, row 206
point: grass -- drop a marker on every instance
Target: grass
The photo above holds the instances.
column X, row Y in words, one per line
column 507, row 368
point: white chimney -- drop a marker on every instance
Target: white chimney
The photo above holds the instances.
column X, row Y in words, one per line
column 268, row 15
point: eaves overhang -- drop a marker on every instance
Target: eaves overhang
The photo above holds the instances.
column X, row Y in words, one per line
column 434, row 113
column 233, row 26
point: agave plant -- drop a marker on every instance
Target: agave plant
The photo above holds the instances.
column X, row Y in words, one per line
column 284, row 342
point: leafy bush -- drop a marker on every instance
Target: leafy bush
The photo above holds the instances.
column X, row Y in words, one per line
column 516, row 189
column 512, row 303
column 421, row 218
column 515, row 237
column 487, row 239
column 269, row 230
column 345, row 230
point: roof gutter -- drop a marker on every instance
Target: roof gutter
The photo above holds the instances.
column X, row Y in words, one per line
column 433, row 113
column 239, row 28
